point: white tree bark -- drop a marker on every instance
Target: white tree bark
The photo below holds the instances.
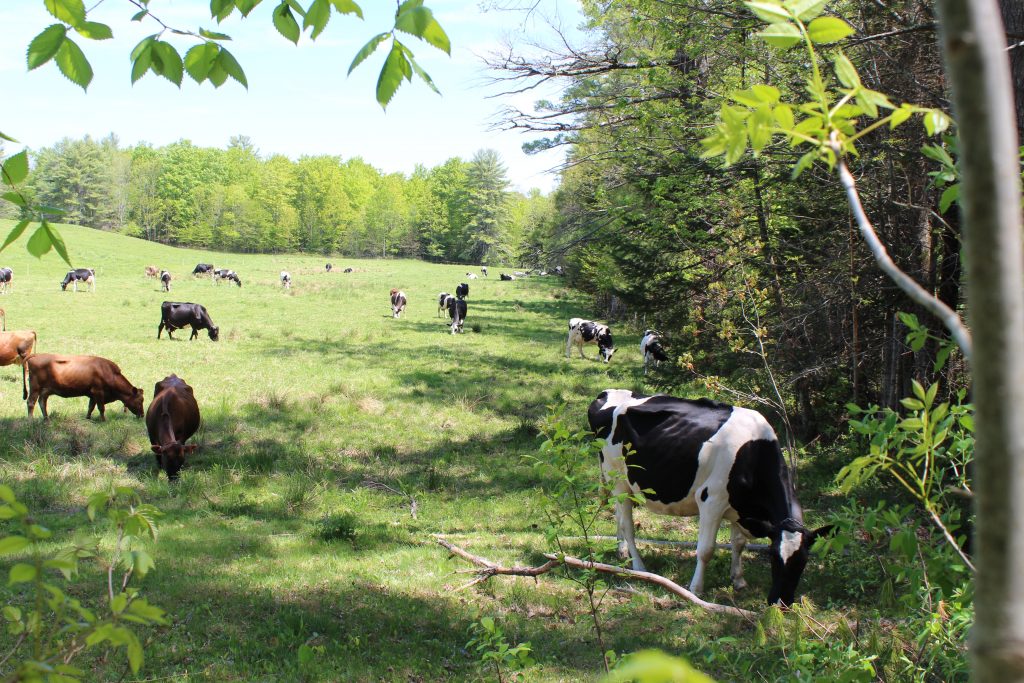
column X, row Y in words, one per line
column 976, row 62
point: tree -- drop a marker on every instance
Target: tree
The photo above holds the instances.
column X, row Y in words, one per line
column 486, row 207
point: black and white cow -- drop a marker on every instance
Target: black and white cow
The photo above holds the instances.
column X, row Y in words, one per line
column 6, row 280
column 204, row 269
column 483, row 270
column 457, row 310
column 462, row 291
column 347, row 270
column 175, row 315
column 471, row 276
column 588, row 332
column 328, row 267
column 87, row 276
column 558, row 270
column 651, row 350
column 504, row 277
column 286, row 279
column 442, row 304
column 709, row 459
column 398, row 302
column 227, row 274
column 519, row 273
column 165, row 280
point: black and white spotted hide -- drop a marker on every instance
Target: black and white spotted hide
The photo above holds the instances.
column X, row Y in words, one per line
column 397, row 302
column 462, row 291
column 286, row 279
column 651, row 349
column 588, row 332
column 442, row 304
column 6, row 280
column 457, row 311
column 165, row 280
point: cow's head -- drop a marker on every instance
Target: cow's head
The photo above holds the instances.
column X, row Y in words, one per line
column 605, row 344
column 172, row 457
column 214, row 332
column 791, row 545
column 134, row 402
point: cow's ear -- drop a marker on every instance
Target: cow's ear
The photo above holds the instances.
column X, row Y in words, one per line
column 156, row 449
column 758, row 528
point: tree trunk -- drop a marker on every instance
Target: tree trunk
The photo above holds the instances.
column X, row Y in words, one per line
column 1013, row 19
column 979, row 75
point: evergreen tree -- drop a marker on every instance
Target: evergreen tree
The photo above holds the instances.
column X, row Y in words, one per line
column 486, row 198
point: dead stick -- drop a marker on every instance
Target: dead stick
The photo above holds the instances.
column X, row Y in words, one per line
column 490, row 569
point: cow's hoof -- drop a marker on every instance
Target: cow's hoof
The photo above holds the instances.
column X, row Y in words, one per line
column 739, row 585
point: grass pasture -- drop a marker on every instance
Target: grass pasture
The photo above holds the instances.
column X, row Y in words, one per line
column 275, row 535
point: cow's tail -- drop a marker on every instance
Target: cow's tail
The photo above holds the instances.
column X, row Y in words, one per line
column 24, row 387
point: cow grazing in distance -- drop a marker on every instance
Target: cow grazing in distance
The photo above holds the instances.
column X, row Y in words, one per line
column 51, row 374
column 470, row 276
column 588, row 332
column 328, row 267
column 165, row 280
column 504, row 277
column 87, row 276
column 204, row 269
column 152, row 271
column 651, row 349
column 347, row 270
column 172, row 417
column 709, row 459
column 559, row 270
column 462, row 291
column 519, row 273
column 6, row 280
column 286, row 279
column 442, row 304
column 175, row 315
column 227, row 274
column 483, row 270
column 457, row 311
column 16, row 345
column 398, row 302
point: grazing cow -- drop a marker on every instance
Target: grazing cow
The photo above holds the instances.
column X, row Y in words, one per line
column 519, row 273
column 286, row 279
column 442, row 304
column 6, row 280
column 397, row 302
column 483, row 269
column 51, row 374
column 172, row 417
column 588, row 332
column 709, row 459
column 176, row 315
column 165, row 280
column 462, row 291
column 471, row 276
column 227, row 274
column 152, row 271
column 502, row 276
column 347, row 270
column 651, row 350
column 16, row 346
column 558, row 270
column 83, row 275
column 457, row 311
column 204, row 269
column 328, row 267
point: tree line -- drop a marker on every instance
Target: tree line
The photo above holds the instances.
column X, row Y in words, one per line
column 234, row 199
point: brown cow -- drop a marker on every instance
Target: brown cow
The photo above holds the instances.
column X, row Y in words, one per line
column 172, row 417
column 16, row 346
column 68, row 376
column 152, row 271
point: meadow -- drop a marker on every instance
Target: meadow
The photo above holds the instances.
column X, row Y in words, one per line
column 312, row 398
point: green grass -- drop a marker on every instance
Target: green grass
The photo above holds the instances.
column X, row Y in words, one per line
column 273, row 537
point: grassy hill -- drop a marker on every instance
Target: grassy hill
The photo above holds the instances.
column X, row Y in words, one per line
column 311, row 397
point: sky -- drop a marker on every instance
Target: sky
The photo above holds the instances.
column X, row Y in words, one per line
column 299, row 100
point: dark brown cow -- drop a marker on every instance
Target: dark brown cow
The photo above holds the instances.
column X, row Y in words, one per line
column 16, row 346
column 51, row 374
column 172, row 417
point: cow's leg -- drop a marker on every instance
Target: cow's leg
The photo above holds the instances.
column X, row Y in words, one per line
column 710, row 511
column 92, row 404
column 33, row 396
column 580, row 347
column 98, row 399
column 739, row 542
column 195, row 333
column 568, row 346
column 613, row 471
column 43, row 398
column 161, row 329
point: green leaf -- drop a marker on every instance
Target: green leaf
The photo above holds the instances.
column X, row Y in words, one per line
column 367, row 50
column 949, row 195
column 57, row 241
column 347, row 7
column 139, row 16
column 805, row 10
column 13, row 544
column 15, row 233
column 199, row 59
column 15, row 168
column 142, row 63
column 221, row 9
column 804, row 163
column 20, row 573
column 285, row 23
column 69, row 11
column 227, row 62
column 305, row 654
column 845, row 71
column 135, row 654
column 759, row 127
column 420, row 22
column 94, row 30
column 119, row 602
column 72, row 63
column 766, row 93
column 391, row 75
column 6, row 492
column 768, row 12
column 141, row 562
column 900, row 115
column 825, row 30
column 783, row 35
column 44, row 46
column 936, row 121
column 784, row 116
column 424, row 76
column 169, row 60
column 39, row 243
column 317, row 16
column 213, row 35
column 246, row 6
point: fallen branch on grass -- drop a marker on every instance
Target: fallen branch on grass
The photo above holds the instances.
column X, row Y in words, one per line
column 753, row 547
column 378, row 486
column 490, row 569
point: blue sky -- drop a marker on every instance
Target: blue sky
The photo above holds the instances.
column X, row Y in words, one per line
column 299, row 100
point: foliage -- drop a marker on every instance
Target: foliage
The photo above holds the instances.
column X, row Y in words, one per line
column 654, row 666
column 53, row 628
column 489, row 643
